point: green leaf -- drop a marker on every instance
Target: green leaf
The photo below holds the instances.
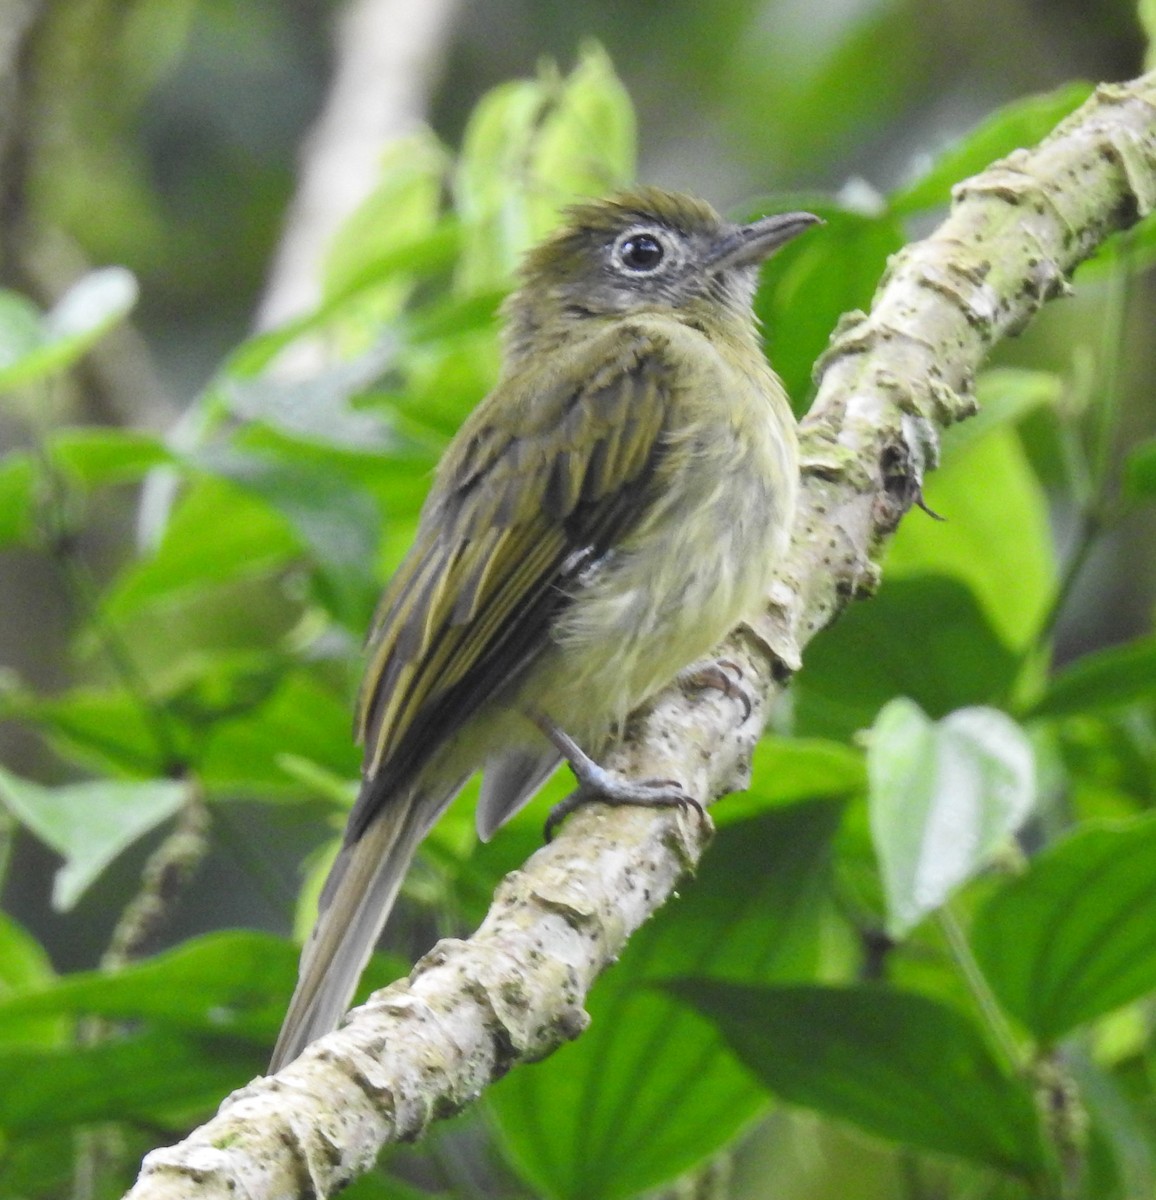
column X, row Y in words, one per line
column 944, row 797
column 495, row 222
column 586, row 145
column 89, row 823
column 787, row 770
column 234, row 984
column 1006, row 395
column 425, row 255
column 582, row 1124
column 1105, row 679
column 990, row 535
column 810, row 283
column 319, row 408
column 340, row 524
column 17, row 500
column 104, row 729
column 1075, row 937
column 1022, row 123
column 896, row 1064
column 156, row 1078
column 33, row 347
column 401, row 210
column 924, row 637
column 530, row 148
column 218, row 532
column 21, row 331
column 96, row 457
column 24, row 965
column 300, row 718
column 1140, row 471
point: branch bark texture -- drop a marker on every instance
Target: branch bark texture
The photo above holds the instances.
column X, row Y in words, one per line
column 891, row 381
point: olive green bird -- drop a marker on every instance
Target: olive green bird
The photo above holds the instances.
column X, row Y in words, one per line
column 612, row 509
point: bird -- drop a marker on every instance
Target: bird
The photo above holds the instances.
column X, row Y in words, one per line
column 611, row 510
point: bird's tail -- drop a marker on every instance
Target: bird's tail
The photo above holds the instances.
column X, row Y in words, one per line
column 355, row 902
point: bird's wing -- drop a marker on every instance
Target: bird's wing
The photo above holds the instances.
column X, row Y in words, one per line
column 541, row 481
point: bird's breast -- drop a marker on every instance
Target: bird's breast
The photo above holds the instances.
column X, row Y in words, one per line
column 698, row 560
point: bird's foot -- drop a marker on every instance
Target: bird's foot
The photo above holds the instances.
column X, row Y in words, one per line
column 722, row 675
column 597, row 784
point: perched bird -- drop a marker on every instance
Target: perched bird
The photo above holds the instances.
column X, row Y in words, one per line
column 608, row 513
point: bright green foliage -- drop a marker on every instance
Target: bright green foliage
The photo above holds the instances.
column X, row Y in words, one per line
column 944, row 797
column 35, row 346
column 895, row 1063
column 89, row 823
column 1075, row 937
column 216, row 660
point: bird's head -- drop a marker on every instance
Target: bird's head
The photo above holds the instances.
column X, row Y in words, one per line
column 643, row 251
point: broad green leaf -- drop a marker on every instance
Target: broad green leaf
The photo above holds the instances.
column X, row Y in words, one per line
column 496, row 224
column 33, row 347
column 992, row 532
column 648, row 1090
column 103, row 729
column 586, row 143
column 944, row 797
column 21, row 332
column 924, row 637
column 99, row 456
column 1130, row 252
column 17, row 500
column 1006, row 395
column 401, row 210
column 1022, row 123
column 787, row 770
column 218, row 532
column 300, row 718
column 156, row 1078
column 24, row 965
column 1140, row 471
column 340, row 524
column 430, row 254
column 896, row 1064
column 38, row 1165
column 89, row 823
column 233, row 984
column 530, row 148
column 1075, row 937
column 319, row 408
column 1105, row 679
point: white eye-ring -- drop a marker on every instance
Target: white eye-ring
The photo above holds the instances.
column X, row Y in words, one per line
column 641, row 251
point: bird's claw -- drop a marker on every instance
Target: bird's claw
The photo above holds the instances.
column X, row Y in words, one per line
column 607, row 787
column 722, row 675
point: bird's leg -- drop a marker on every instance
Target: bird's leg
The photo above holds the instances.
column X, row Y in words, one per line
column 596, row 783
column 722, row 675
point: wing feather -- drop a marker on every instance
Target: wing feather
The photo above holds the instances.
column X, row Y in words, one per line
column 513, row 520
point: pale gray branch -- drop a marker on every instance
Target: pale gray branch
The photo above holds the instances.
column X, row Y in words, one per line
column 891, row 382
column 387, row 55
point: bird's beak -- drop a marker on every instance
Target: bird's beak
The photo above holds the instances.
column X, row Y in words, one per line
column 751, row 244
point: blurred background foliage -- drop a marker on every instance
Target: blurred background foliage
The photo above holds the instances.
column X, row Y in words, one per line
column 192, row 537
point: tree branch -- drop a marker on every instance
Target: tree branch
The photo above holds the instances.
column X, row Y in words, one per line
column 890, row 383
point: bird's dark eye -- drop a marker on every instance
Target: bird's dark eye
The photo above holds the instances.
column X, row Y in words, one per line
column 641, row 252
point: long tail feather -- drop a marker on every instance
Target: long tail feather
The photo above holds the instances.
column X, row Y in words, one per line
column 355, row 903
